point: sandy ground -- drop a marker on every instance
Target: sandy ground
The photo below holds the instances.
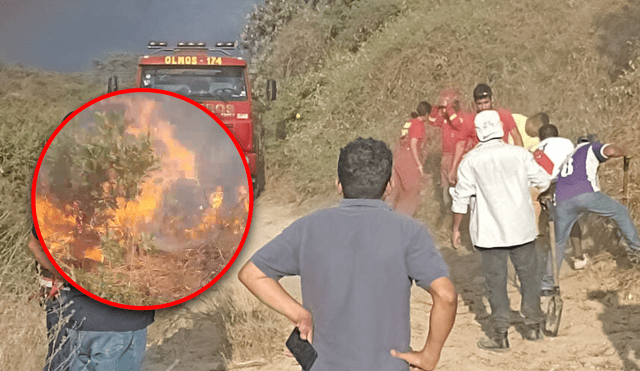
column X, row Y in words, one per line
column 600, row 328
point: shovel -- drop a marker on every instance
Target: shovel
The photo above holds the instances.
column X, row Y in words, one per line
column 553, row 310
column 625, row 179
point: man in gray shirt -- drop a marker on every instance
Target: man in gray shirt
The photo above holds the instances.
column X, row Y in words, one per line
column 357, row 263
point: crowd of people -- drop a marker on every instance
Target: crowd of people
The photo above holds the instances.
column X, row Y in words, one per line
column 358, row 261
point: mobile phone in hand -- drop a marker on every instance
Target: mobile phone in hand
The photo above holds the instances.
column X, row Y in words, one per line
column 302, row 350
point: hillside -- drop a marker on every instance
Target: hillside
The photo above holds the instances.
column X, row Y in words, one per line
column 32, row 104
column 358, row 68
column 349, row 68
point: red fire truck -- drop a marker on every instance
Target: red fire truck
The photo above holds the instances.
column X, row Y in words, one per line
column 218, row 79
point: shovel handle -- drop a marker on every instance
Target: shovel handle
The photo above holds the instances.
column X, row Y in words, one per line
column 552, row 243
column 625, row 177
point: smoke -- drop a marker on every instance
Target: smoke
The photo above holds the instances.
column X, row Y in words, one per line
column 65, row 35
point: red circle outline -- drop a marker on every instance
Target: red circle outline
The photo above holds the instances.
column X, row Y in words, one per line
column 246, row 229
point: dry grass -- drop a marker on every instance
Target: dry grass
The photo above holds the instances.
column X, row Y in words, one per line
column 24, row 332
column 254, row 331
column 375, row 67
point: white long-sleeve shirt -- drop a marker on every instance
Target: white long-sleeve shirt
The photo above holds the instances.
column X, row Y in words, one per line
column 499, row 176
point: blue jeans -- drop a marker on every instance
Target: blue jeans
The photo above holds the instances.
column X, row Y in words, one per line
column 71, row 349
column 107, row 351
column 495, row 271
column 568, row 211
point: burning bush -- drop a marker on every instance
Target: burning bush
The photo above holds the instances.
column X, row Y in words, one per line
column 89, row 173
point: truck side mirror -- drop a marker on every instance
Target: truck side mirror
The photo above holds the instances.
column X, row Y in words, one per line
column 271, row 89
column 112, row 85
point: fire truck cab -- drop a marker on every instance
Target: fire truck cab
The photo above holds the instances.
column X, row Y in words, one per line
column 216, row 78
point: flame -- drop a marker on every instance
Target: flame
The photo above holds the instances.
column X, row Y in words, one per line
column 94, row 253
column 210, row 217
column 243, row 196
column 215, row 198
column 177, row 162
column 56, row 226
column 130, row 217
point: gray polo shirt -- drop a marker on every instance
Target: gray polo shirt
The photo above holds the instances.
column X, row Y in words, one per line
column 356, row 262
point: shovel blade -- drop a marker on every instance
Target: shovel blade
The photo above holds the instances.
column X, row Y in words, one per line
column 553, row 314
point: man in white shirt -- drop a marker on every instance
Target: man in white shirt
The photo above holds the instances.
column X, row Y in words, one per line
column 502, row 224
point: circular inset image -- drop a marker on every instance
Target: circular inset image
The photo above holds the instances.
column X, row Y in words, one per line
column 142, row 198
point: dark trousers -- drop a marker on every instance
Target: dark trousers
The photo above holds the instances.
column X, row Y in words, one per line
column 495, row 270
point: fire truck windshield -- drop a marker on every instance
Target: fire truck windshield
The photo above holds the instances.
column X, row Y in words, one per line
column 223, row 83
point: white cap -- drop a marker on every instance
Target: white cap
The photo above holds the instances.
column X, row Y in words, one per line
column 488, row 125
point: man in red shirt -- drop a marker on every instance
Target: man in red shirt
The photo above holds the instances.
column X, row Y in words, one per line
column 458, row 130
column 482, row 96
column 408, row 164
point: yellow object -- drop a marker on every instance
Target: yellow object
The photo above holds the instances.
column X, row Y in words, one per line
column 530, row 143
column 94, row 253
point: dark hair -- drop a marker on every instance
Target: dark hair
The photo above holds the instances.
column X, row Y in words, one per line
column 423, row 108
column 588, row 138
column 364, row 168
column 547, row 131
column 482, row 91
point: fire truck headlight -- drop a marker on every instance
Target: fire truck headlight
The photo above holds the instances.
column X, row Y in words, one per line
column 243, row 115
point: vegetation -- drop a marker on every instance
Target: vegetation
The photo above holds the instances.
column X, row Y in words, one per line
column 358, row 68
column 362, row 89
column 102, row 167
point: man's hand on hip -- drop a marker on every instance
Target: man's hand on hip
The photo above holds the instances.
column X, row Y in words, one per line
column 417, row 361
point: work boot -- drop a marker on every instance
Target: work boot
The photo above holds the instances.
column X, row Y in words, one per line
column 533, row 333
column 498, row 343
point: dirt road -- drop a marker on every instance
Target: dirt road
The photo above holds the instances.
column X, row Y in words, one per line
column 600, row 329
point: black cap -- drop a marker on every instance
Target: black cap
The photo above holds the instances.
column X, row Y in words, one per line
column 589, row 138
column 482, row 91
